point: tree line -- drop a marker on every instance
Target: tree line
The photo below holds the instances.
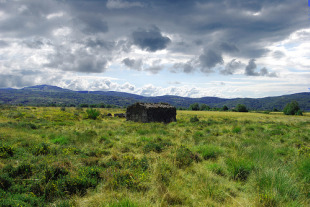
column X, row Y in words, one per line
column 291, row 108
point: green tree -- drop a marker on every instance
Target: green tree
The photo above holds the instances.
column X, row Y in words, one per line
column 204, row 107
column 225, row 108
column 194, row 107
column 292, row 109
column 241, row 108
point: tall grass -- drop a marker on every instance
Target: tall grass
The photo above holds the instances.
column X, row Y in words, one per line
column 56, row 157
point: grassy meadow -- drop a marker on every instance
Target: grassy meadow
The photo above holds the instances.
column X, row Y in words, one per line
column 60, row 157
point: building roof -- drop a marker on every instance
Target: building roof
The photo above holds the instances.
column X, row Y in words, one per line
column 154, row 105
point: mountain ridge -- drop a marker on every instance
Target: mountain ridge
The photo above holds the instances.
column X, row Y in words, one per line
column 46, row 95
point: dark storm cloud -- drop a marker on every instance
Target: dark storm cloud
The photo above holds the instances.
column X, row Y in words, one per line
column 251, row 67
column 99, row 43
column 150, row 39
column 35, row 44
column 14, row 81
column 187, row 67
column 154, row 69
column 80, row 61
column 209, row 59
column 100, row 32
column 133, row 64
column 28, row 18
column 92, row 23
column 228, row 47
column 232, row 67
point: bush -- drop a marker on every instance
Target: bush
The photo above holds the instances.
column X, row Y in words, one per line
column 92, row 113
column 5, row 182
column 225, row 108
column 241, row 108
column 292, row 109
column 22, row 171
column 184, row 157
column 42, row 149
column 6, row 151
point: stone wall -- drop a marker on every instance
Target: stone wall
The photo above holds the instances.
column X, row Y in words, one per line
column 148, row 112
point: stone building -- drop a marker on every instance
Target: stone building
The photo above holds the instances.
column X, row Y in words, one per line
column 150, row 112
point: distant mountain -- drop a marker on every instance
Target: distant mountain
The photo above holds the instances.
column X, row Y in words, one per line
column 46, row 95
column 46, row 88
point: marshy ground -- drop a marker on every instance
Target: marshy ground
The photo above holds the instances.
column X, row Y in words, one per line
column 60, row 157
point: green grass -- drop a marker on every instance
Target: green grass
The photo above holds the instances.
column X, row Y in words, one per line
column 56, row 157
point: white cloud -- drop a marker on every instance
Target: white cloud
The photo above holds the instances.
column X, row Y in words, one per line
column 54, row 15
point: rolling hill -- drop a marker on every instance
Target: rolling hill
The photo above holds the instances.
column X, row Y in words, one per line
column 46, row 95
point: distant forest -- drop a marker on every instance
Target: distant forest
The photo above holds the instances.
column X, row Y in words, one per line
column 45, row 95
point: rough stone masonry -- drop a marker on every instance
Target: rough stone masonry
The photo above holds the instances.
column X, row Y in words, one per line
column 151, row 112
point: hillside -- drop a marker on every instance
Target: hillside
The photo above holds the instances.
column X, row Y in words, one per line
column 45, row 95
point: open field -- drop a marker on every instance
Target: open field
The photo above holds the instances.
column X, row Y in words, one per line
column 59, row 157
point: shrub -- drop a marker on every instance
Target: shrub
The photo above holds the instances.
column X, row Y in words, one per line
column 241, row 108
column 5, row 182
column 6, row 151
column 225, row 108
column 184, row 157
column 292, row 109
column 41, row 149
column 54, row 173
column 93, row 113
column 23, row 171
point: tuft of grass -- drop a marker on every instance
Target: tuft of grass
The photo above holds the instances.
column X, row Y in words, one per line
column 236, row 130
column 60, row 140
column 184, row 157
column 125, row 202
column 239, row 168
column 194, row 119
column 209, row 151
column 276, row 187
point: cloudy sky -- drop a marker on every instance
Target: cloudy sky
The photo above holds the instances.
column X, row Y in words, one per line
column 192, row 48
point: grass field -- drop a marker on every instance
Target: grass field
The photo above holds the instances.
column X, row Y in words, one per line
column 59, row 157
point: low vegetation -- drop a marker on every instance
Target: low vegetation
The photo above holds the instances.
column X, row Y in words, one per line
column 81, row 157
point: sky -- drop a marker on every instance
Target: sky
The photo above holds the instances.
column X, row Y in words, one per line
column 189, row 48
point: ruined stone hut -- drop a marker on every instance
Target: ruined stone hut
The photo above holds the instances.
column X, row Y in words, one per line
column 151, row 112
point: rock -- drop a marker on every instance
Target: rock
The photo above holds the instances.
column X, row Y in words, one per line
column 151, row 112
